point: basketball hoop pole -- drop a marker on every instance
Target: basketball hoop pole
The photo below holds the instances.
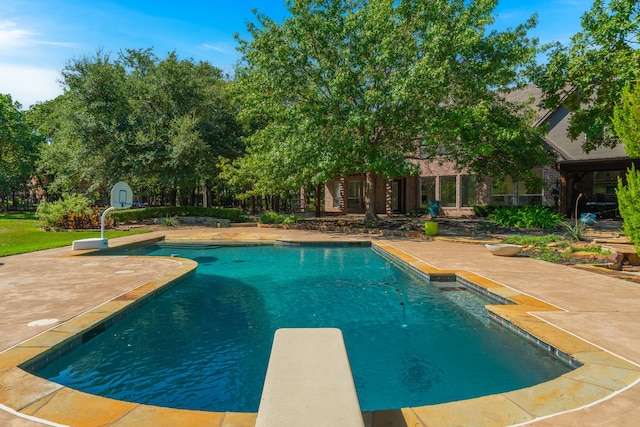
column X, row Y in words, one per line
column 121, row 196
column 104, row 214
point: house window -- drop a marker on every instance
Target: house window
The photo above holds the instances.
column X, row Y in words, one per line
column 467, row 190
column 448, row 191
column 503, row 191
column 605, row 182
column 508, row 193
column 354, row 194
column 427, row 190
column 531, row 194
column 336, row 194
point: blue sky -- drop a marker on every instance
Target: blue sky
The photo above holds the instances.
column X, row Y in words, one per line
column 38, row 37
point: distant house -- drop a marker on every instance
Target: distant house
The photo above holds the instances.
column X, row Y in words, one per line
column 594, row 175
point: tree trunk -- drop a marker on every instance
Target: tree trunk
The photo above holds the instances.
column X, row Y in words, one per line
column 205, row 195
column 303, row 200
column 275, row 204
column 318, row 210
column 370, row 197
column 173, row 197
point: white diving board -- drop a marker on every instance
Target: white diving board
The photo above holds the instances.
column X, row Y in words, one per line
column 309, row 381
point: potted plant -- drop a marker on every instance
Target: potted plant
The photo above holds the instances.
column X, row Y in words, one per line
column 431, row 228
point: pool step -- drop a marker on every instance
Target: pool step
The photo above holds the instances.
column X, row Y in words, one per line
column 309, row 381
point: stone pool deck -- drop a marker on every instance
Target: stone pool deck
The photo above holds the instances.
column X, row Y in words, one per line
column 52, row 293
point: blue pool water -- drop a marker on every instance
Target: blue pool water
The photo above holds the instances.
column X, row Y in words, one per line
column 205, row 343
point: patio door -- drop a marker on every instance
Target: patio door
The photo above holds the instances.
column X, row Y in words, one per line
column 398, row 187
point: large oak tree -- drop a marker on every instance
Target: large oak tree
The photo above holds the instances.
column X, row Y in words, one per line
column 356, row 86
column 159, row 124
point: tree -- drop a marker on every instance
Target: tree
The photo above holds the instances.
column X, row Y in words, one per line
column 355, row 86
column 97, row 121
column 588, row 75
column 18, row 146
column 626, row 119
column 186, row 121
column 628, row 194
column 159, row 124
column 59, row 167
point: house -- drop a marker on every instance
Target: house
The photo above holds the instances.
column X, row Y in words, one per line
column 594, row 175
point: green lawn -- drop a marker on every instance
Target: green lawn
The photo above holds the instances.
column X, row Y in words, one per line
column 20, row 233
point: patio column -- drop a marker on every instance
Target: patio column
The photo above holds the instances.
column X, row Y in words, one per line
column 342, row 196
column 388, row 196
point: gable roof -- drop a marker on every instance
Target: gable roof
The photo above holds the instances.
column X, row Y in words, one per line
column 557, row 122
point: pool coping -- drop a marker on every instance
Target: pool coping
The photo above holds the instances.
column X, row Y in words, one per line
column 601, row 375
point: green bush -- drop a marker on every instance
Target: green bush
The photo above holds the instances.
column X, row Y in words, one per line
column 271, row 218
column 73, row 211
column 276, row 218
column 291, row 219
column 629, row 205
column 483, row 211
column 133, row 215
column 576, row 231
column 526, row 217
column 170, row 221
column 415, row 213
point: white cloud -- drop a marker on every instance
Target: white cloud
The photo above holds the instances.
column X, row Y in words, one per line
column 218, row 47
column 12, row 36
column 29, row 85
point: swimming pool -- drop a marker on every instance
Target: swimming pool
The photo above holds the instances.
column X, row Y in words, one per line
column 205, row 343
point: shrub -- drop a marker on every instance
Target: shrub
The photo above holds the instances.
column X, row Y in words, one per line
column 83, row 220
column 415, row 213
column 276, row 218
column 71, row 212
column 170, row 221
column 628, row 203
column 133, row 215
column 574, row 232
column 483, row 211
column 526, row 217
column 271, row 218
column 291, row 219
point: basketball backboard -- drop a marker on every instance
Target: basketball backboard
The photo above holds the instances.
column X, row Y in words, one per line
column 121, row 195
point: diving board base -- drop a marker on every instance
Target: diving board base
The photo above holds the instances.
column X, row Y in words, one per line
column 93, row 243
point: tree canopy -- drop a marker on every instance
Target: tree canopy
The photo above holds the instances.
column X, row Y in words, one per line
column 159, row 124
column 356, row 86
column 626, row 119
column 18, row 146
column 587, row 76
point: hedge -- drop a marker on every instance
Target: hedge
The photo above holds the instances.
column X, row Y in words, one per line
column 132, row 215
